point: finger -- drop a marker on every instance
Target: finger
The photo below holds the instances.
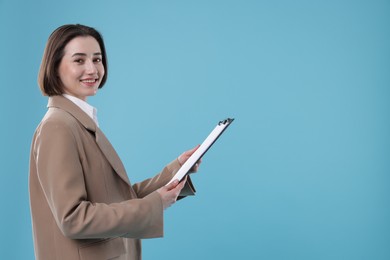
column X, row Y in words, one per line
column 181, row 185
column 198, row 163
column 196, row 166
column 188, row 153
column 172, row 185
column 184, row 157
column 193, row 149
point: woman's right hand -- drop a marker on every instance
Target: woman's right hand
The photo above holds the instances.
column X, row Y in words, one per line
column 170, row 192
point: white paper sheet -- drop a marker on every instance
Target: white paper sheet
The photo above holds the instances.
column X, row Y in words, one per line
column 207, row 143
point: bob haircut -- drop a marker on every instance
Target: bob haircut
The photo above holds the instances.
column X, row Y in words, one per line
column 48, row 78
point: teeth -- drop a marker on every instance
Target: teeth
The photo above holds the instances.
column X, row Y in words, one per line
column 89, row 81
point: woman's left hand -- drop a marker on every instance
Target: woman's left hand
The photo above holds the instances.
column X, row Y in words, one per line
column 184, row 157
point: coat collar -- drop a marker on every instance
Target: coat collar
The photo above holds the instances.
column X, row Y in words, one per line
column 101, row 140
column 70, row 107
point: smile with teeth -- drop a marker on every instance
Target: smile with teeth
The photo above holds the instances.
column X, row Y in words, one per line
column 89, row 80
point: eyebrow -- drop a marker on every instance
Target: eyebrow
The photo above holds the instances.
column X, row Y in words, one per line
column 83, row 54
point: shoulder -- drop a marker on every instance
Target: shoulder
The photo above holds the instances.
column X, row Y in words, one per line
column 58, row 122
column 59, row 116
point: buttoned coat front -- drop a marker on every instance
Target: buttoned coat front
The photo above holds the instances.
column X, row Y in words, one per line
column 83, row 205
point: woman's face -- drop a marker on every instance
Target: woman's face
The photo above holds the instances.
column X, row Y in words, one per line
column 81, row 69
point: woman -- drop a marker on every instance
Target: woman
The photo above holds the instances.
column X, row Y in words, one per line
column 83, row 205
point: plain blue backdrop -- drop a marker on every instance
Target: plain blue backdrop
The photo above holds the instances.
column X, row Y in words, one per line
column 303, row 172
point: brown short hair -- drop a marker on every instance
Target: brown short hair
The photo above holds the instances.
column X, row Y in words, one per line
column 48, row 78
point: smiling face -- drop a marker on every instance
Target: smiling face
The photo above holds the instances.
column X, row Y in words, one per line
column 81, row 69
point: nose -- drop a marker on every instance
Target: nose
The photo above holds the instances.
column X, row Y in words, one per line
column 90, row 67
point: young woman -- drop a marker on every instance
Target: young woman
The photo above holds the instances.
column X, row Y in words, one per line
column 83, row 205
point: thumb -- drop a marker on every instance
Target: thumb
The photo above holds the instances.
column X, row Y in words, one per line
column 172, row 185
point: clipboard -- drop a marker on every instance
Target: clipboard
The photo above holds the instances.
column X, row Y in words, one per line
column 203, row 148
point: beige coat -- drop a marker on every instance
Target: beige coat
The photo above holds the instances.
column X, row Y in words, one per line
column 83, row 205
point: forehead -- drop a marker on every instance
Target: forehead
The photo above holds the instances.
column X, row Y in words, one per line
column 82, row 44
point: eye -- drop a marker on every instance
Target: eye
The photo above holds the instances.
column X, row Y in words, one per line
column 80, row 61
column 97, row 60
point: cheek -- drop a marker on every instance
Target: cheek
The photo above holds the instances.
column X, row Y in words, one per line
column 69, row 76
column 62, row 74
column 66, row 72
column 102, row 71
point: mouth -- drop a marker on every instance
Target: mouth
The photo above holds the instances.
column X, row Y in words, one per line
column 89, row 81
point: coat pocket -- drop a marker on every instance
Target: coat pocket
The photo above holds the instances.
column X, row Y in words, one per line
column 103, row 250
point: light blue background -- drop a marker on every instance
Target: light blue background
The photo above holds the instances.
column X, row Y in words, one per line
column 303, row 172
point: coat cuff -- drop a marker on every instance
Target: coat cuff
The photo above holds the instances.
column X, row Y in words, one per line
column 189, row 189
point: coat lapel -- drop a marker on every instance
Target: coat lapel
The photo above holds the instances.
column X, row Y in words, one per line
column 111, row 155
column 101, row 140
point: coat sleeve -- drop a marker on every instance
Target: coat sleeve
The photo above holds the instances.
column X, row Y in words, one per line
column 148, row 186
column 61, row 176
